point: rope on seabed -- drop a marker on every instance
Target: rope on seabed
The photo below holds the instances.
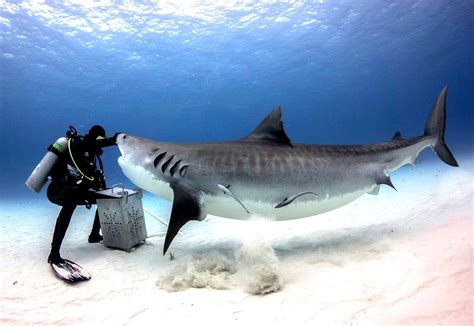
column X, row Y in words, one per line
column 158, row 219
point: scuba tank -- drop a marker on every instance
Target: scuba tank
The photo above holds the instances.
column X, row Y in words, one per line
column 39, row 176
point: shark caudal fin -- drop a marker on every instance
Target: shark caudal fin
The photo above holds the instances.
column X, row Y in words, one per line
column 435, row 127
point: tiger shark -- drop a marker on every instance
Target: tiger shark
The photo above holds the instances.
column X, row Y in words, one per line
column 266, row 174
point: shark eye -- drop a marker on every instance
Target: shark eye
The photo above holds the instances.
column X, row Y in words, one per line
column 124, row 136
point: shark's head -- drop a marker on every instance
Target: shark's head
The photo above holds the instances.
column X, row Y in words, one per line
column 136, row 163
column 135, row 155
column 132, row 158
column 131, row 149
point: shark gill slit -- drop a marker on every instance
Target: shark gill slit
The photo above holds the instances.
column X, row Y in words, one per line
column 158, row 159
column 183, row 170
column 174, row 167
column 167, row 162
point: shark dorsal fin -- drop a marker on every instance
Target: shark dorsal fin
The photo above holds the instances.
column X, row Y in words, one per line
column 270, row 130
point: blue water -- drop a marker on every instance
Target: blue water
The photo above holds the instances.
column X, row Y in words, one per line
column 343, row 72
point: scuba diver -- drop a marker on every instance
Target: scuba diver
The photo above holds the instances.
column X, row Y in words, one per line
column 74, row 173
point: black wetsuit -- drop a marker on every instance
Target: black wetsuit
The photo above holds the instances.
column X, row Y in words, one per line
column 69, row 188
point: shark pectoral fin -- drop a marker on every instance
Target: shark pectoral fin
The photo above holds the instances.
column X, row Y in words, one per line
column 186, row 207
column 289, row 200
column 375, row 191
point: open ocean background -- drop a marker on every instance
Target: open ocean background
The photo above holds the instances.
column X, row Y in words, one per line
column 344, row 72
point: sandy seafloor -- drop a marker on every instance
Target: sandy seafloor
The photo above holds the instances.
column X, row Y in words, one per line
column 401, row 257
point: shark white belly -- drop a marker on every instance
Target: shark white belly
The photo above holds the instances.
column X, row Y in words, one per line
column 227, row 207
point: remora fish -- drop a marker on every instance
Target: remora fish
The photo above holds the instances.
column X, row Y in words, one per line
column 268, row 175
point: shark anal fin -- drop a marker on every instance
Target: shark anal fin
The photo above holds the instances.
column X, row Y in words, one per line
column 289, row 200
column 186, row 207
column 270, row 130
column 384, row 179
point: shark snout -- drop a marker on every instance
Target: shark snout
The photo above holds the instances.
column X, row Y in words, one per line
column 122, row 146
column 120, row 142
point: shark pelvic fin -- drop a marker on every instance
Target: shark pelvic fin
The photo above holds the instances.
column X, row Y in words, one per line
column 289, row 200
column 228, row 192
column 186, row 207
column 384, row 179
column 270, row 130
column 397, row 136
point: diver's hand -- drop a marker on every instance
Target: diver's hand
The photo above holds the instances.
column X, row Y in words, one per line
column 114, row 137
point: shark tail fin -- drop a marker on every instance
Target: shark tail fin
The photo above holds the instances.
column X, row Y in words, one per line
column 435, row 127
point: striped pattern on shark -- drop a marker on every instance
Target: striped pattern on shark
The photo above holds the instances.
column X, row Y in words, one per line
column 266, row 174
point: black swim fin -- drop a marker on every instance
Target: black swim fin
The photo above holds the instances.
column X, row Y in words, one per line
column 70, row 271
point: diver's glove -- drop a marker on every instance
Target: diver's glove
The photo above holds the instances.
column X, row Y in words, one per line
column 114, row 137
